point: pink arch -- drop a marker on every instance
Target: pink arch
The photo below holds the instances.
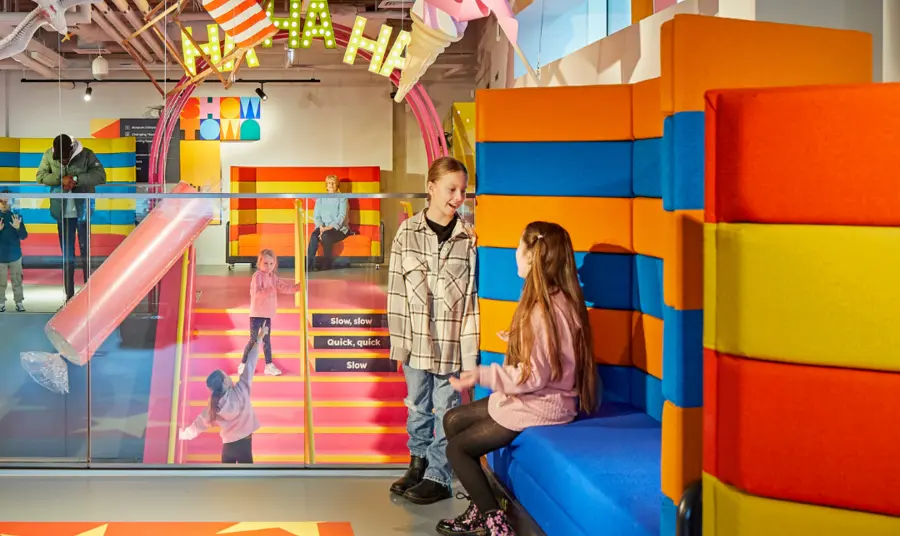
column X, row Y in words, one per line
column 419, row 102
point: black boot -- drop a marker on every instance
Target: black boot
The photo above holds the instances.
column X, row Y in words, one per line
column 413, row 476
column 427, row 492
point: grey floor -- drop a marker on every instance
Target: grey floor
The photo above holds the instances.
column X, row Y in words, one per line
column 221, row 496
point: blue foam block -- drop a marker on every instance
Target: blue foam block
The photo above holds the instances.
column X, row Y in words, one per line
column 616, row 383
column 683, row 357
column 110, row 160
column 646, row 393
column 605, row 277
column 572, row 169
column 602, row 472
column 487, row 358
column 9, row 160
column 648, row 284
column 647, row 167
column 36, row 215
column 668, row 516
column 683, row 161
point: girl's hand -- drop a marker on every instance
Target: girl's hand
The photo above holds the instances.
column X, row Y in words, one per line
column 466, row 381
column 187, row 434
column 503, row 335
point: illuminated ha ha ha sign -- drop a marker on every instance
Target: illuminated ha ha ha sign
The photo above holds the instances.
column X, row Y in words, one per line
column 302, row 32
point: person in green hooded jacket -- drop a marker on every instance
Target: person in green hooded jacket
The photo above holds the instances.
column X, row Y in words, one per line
column 68, row 166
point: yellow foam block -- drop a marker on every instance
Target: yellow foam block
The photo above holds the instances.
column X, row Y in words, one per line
column 502, row 219
column 810, row 294
column 50, row 228
column 611, row 331
column 729, row 512
column 286, row 187
column 376, row 248
column 9, row 145
column 651, row 227
column 683, row 269
column 700, row 53
column 682, row 449
column 116, row 175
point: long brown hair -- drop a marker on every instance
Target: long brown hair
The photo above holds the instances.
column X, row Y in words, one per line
column 552, row 270
column 216, row 384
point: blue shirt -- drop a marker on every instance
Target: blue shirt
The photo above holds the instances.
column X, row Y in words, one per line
column 332, row 212
column 11, row 239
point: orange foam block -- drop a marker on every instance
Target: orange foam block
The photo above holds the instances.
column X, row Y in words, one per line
column 647, row 343
column 646, row 109
column 568, row 113
column 502, row 219
column 611, row 330
column 811, row 155
column 651, row 227
column 683, row 269
column 682, row 449
column 807, row 434
column 700, row 53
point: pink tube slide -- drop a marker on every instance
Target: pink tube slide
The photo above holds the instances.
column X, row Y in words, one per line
column 113, row 291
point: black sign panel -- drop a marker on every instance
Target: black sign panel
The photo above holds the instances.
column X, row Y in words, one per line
column 351, row 342
column 143, row 130
column 349, row 320
column 355, row 364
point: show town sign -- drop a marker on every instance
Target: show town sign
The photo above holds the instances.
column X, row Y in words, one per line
column 317, row 24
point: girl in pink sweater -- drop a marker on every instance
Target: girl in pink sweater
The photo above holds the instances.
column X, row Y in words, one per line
column 547, row 377
column 264, row 289
column 230, row 408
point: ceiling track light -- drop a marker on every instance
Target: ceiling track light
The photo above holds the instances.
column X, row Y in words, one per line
column 87, row 93
column 261, row 92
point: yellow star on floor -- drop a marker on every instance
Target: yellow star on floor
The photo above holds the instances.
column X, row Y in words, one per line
column 301, row 528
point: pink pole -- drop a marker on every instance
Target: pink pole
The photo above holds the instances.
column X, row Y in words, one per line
column 113, row 291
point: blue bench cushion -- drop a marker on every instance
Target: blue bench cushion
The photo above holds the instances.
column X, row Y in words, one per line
column 601, row 473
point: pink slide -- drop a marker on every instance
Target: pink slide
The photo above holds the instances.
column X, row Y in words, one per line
column 112, row 292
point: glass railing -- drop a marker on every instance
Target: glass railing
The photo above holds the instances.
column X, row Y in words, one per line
column 168, row 303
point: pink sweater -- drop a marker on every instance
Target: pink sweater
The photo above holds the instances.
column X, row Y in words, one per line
column 539, row 401
column 235, row 418
column 264, row 289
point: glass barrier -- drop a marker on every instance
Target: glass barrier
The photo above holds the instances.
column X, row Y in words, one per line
column 169, row 303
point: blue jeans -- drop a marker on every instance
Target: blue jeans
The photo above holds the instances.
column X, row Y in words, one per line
column 427, row 392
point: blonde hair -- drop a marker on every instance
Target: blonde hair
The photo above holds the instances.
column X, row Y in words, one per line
column 267, row 253
column 335, row 180
column 444, row 166
column 552, row 270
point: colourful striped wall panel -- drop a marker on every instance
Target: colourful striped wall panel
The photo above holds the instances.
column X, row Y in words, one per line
column 269, row 223
column 799, row 170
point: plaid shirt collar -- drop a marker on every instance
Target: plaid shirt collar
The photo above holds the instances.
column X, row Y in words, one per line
column 460, row 230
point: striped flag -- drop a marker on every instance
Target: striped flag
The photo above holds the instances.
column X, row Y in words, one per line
column 243, row 20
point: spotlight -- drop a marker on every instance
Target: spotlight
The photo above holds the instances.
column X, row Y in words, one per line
column 87, row 93
column 261, row 93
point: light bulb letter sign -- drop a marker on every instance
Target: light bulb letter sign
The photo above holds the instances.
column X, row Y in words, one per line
column 212, row 50
column 318, row 25
column 358, row 41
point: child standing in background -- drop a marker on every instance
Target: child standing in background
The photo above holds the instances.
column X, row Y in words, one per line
column 264, row 289
column 12, row 232
column 230, row 408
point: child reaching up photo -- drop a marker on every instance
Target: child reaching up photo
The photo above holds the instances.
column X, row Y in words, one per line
column 547, row 377
column 264, row 289
column 230, row 409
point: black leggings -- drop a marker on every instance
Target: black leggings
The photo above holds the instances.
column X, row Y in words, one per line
column 255, row 324
column 240, row 451
column 472, row 433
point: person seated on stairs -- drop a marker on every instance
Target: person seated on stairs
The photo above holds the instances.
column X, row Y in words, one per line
column 264, row 289
column 331, row 217
column 230, row 407
column 548, row 374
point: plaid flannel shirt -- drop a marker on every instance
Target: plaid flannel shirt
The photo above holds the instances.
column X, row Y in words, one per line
column 432, row 299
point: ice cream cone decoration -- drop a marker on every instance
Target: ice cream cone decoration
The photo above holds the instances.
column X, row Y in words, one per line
column 425, row 45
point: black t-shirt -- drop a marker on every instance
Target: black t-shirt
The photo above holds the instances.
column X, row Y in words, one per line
column 443, row 232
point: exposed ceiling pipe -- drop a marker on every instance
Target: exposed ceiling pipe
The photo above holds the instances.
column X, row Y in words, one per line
column 35, row 66
column 104, row 12
column 144, row 8
column 137, row 23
